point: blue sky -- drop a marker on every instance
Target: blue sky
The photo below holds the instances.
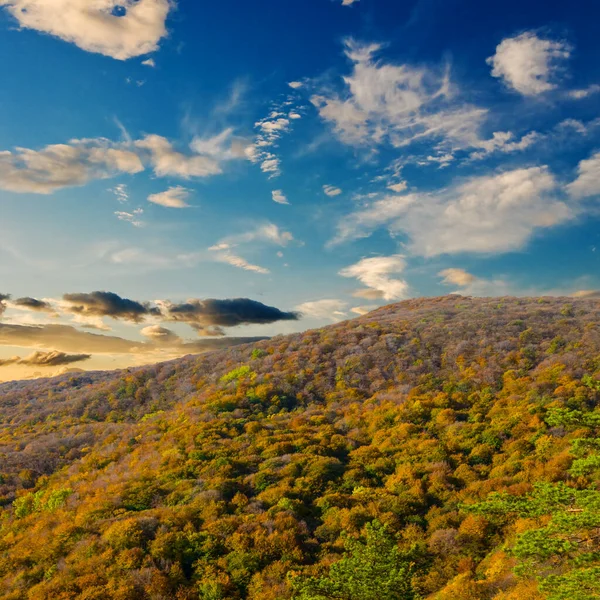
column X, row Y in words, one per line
column 320, row 158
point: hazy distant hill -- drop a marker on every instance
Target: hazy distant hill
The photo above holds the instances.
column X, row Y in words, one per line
column 248, row 472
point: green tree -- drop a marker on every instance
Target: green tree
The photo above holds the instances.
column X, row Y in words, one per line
column 562, row 548
column 369, row 570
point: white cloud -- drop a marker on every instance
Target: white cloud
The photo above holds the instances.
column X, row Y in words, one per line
column 151, row 259
column 527, row 63
column 585, row 92
column 503, row 141
column 363, row 222
column 131, row 217
column 271, row 165
column 493, row 213
column 458, row 277
column 97, row 26
column 368, row 294
column 174, row 197
column 267, row 232
column 240, row 263
column 588, row 178
column 578, row 126
column 149, row 63
column 376, row 273
column 272, row 128
column 167, row 161
column 398, row 187
column 279, row 197
column 269, row 131
column 79, row 161
column 329, row 308
column 65, row 165
column 397, row 103
column 363, row 310
column 331, row 190
column 120, row 191
column 295, row 84
column 349, row 2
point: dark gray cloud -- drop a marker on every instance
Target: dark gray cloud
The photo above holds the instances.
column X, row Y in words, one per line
column 58, row 345
column 52, row 358
column 207, row 317
column 34, row 304
column 209, row 314
column 109, row 304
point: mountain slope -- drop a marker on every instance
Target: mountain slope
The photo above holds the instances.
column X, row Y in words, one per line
column 244, row 472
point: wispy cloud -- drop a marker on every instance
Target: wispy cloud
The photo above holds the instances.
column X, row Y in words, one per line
column 397, row 104
column 238, row 261
column 132, row 217
column 267, row 233
column 121, row 192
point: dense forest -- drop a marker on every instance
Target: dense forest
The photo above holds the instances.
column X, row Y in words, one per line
column 442, row 448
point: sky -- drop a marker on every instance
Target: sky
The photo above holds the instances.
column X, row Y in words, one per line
column 177, row 176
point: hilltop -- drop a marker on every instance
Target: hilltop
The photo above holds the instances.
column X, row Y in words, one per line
column 439, row 448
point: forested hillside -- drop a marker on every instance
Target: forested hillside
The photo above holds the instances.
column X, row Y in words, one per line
column 441, row 448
